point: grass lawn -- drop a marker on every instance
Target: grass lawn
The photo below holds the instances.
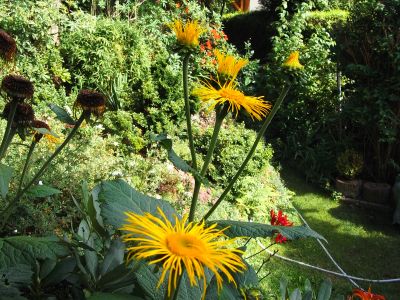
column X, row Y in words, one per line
column 362, row 241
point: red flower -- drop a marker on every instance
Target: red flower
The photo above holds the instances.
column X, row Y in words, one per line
column 280, row 220
column 364, row 295
column 225, row 36
column 215, row 34
column 209, row 45
column 202, row 48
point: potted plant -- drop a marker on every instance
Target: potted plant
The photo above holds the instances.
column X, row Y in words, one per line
column 349, row 164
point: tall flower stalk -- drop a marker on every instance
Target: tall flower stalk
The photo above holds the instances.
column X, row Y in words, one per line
column 260, row 135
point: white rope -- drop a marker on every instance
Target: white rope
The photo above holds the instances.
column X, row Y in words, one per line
column 327, row 252
column 325, row 270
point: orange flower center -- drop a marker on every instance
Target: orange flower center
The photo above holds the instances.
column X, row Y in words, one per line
column 185, row 245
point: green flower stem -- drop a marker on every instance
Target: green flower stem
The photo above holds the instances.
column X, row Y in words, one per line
column 5, row 142
column 260, row 135
column 9, row 209
column 218, row 122
column 187, row 109
column 27, row 160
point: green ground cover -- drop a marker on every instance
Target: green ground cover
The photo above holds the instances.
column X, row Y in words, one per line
column 361, row 240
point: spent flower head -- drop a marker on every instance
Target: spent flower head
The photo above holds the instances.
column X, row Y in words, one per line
column 24, row 114
column 8, row 47
column 187, row 34
column 182, row 246
column 293, row 61
column 215, row 93
column 17, row 87
column 90, row 101
column 228, row 65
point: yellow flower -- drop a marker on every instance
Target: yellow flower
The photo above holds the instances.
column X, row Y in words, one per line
column 255, row 106
column 293, row 61
column 228, row 65
column 179, row 247
column 187, row 34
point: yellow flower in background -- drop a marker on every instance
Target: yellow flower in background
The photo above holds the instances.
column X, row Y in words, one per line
column 293, row 61
column 255, row 106
column 36, row 125
column 228, row 65
column 179, row 247
column 187, row 34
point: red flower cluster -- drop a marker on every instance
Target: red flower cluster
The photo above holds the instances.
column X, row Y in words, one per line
column 280, row 220
column 365, row 295
column 209, row 45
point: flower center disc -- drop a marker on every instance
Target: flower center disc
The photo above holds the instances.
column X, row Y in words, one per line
column 185, row 245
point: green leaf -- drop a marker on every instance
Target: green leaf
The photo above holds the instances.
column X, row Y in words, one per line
column 91, row 258
column 178, row 162
column 17, row 276
column 41, row 191
column 147, row 278
column 296, row 295
column 114, row 257
column 26, row 250
column 62, row 114
column 117, row 197
column 6, row 173
column 253, row 229
column 110, row 296
column 325, row 290
column 61, row 271
column 283, row 283
column 46, row 131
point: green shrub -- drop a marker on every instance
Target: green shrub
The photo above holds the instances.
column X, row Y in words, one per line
column 234, row 141
column 349, row 164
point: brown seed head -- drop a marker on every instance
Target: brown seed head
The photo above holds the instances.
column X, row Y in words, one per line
column 91, row 101
column 17, row 87
column 24, row 114
column 8, row 47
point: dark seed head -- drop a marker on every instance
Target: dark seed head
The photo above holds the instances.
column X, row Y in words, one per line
column 91, row 101
column 8, row 47
column 24, row 114
column 17, row 86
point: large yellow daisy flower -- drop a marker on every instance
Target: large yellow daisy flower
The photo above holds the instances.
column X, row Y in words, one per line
column 179, row 247
column 293, row 61
column 228, row 65
column 187, row 34
column 255, row 106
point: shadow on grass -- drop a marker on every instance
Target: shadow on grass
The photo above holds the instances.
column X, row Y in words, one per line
column 362, row 241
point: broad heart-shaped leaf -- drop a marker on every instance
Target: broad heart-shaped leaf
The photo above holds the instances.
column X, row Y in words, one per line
column 253, row 229
column 118, row 197
column 178, row 162
column 5, row 177
column 26, row 250
column 62, row 114
column 13, row 278
column 41, row 191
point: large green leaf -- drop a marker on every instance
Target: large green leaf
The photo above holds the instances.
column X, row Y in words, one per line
column 253, row 229
column 41, row 191
column 5, row 177
column 118, row 197
column 13, row 278
column 62, row 114
column 26, row 250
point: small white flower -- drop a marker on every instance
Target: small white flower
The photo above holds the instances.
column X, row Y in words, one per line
column 40, row 182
